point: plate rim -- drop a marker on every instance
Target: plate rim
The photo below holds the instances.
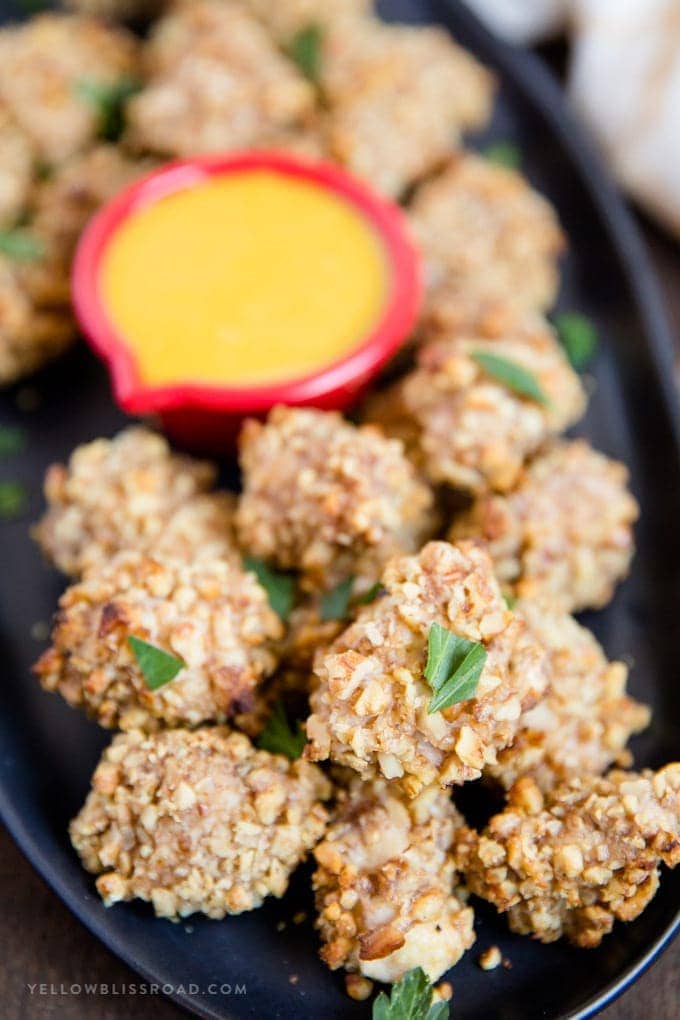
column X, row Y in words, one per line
column 529, row 73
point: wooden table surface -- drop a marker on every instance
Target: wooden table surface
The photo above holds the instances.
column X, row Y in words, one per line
column 42, row 942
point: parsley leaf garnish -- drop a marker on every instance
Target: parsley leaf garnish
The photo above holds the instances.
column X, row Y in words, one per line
column 280, row 588
column 304, row 49
column 410, row 999
column 108, row 99
column 157, row 666
column 13, row 500
column 504, row 154
column 21, row 246
column 278, row 737
column 512, row 375
column 12, row 440
column 371, row 595
column 453, row 668
column 578, row 336
column 510, row 601
column 335, row 603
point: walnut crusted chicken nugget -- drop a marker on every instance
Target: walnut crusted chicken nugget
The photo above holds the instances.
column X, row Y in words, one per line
column 488, row 240
column 210, row 615
column 30, row 334
column 370, row 706
column 385, row 881
column 197, row 821
column 584, row 857
column 327, row 498
column 216, row 82
column 466, row 428
column 130, row 492
column 285, row 18
column 17, row 165
column 398, row 98
column 564, row 533
column 582, row 724
column 44, row 64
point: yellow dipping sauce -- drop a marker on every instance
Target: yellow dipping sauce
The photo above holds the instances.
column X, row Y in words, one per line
column 248, row 278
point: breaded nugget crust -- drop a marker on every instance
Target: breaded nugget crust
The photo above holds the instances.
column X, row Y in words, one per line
column 284, row 18
column 464, row 428
column 384, row 884
column 566, row 531
column 125, row 493
column 210, row 614
column 399, row 98
column 369, row 710
column 197, row 821
column 42, row 62
column 217, row 82
column 586, row 856
column 29, row 335
column 17, row 160
column 583, row 723
column 489, row 241
column 74, row 192
column 327, row 498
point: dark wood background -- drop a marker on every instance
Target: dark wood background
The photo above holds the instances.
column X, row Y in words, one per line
column 43, row 943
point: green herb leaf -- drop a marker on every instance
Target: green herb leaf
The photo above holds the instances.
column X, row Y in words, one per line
column 371, row 595
column 578, row 336
column 13, row 500
column 304, row 49
column 512, row 375
column 21, row 246
column 279, row 587
column 504, row 154
column 158, row 667
column 335, row 603
column 12, row 440
column 108, row 99
column 453, row 668
column 510, row 601
column 410, row 999
column 278, row 737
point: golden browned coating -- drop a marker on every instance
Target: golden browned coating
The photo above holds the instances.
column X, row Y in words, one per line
column 489, row 242
column 463, row 427
column 370, row 708
column 284, row 18
column 118, row 10
column 17, row 164
column 385, row 884
column 210, row 614
column 566, row 531
column 399, row 98
column 217, row 82
column 197, row 821
column 327, row 498
column 43, row 63
column 36, row 321
column 586, row 855
column 74, row 192
column 583, row 723
column 131, row 492
column 30, row 333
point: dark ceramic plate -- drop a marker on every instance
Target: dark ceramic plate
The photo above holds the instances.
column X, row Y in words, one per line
column 47, row 751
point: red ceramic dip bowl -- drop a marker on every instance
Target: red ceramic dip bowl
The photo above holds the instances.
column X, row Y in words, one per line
column 207, row 417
